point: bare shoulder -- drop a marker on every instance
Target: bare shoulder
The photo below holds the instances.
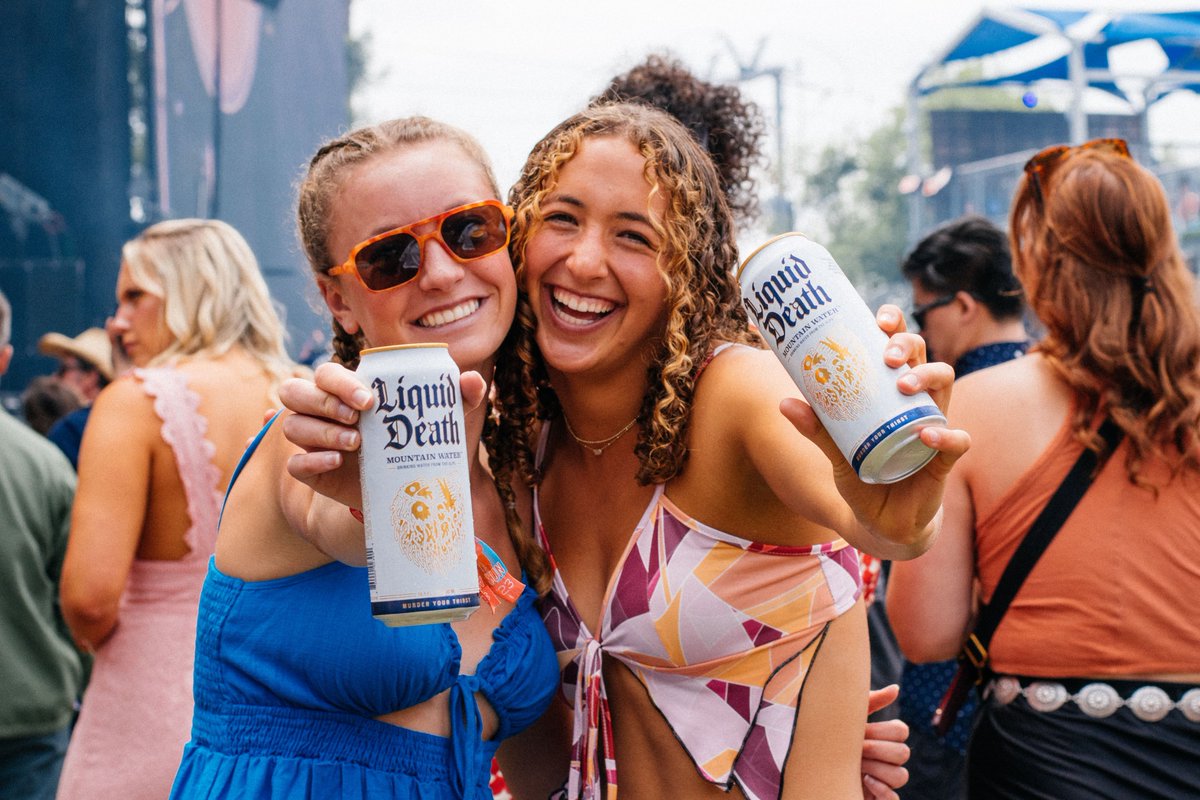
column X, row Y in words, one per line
column 739, row 389
column 124, row 404
column 1012, row 412
column 206, row 374
column 740, row 371
column 1007, row 391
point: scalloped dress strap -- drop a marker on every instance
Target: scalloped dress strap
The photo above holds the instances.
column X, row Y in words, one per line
column 184, row 430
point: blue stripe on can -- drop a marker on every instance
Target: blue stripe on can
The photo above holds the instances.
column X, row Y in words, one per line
column 415, row 604
column 889, row 427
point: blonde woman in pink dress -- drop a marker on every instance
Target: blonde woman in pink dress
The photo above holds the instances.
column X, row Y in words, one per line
column 196, row 320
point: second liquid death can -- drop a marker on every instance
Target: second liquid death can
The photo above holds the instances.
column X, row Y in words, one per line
column 415, row 476
column 812, row 317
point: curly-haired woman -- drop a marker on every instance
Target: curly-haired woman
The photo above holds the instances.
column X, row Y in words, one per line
column 704, row 576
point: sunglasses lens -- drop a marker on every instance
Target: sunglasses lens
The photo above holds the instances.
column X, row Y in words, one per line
column 475, row 232
column 389, row 262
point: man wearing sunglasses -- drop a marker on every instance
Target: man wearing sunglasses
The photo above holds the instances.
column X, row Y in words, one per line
column 969, row 308
column 966, row 302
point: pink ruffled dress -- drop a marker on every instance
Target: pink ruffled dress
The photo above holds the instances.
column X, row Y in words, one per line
column 137, row 709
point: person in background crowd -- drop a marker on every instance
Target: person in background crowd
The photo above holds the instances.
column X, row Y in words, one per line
column 966, row 301
column 1093, row 683
column 196, row 319
column 85, row 364
column 969, row 307
column 45, row 401
column 41, row 673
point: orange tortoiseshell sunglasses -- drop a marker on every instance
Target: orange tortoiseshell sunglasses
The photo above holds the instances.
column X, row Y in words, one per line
column 1041, row 165
column 393, row 258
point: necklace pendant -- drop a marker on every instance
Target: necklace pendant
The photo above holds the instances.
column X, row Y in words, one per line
column 597, row 451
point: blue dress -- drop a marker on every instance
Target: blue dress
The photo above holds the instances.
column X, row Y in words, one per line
column 290, row 673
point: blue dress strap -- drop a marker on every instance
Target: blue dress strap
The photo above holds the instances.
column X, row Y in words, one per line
column 249, row 451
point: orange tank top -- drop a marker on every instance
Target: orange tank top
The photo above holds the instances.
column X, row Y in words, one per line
column 1112, row 595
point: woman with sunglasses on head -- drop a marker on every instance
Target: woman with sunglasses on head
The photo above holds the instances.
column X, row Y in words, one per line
column 705, row 600
column 195, row 316
column 299, row 691
column 1093, row 682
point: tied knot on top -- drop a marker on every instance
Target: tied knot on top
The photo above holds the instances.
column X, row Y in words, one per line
column 466, row 730
column 592, row 753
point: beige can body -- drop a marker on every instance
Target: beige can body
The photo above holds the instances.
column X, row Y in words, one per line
column 415, row 474
column 821, row 329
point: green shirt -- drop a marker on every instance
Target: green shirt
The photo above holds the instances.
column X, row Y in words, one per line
column 41, row 672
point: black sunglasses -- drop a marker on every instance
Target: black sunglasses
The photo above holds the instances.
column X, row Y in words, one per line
column 918, row 312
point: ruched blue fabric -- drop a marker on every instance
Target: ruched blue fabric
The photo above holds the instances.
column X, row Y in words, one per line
column 290, row 672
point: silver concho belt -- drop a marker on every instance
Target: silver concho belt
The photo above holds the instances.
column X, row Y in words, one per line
column 1148, row 703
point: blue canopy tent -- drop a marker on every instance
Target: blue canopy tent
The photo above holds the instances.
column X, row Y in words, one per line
column 1023, row 46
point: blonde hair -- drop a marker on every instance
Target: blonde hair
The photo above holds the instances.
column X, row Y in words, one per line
column 697, row 262
column 1094, row 248
column 318, row 189
column 213, row 294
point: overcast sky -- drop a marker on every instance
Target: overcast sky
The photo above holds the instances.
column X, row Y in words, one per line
column 508, row 71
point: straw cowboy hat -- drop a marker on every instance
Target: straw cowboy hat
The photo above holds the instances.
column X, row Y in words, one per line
column 91, row 346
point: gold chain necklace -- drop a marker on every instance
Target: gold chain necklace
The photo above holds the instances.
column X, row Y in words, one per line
column 598, row 446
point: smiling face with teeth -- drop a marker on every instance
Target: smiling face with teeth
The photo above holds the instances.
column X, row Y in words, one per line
column 468, row 306
column 591, row 263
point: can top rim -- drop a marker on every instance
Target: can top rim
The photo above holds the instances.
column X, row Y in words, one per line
column 765, row 244
column 402, row 347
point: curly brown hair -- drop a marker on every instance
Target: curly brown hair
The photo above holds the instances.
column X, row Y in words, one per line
column 1094, row 248
column 730, row 127
column 318, row 190
column 697, row 262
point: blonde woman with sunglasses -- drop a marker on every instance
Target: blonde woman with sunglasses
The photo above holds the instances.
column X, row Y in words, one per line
column 299, row 691
column 1093, row 689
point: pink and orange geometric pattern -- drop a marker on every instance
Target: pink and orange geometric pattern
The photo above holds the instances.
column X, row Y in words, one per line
column 719, row 629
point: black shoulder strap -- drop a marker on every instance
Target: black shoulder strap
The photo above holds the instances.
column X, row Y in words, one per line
column 1040, row 534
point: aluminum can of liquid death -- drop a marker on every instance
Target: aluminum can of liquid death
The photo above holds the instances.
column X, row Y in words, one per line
column 416, row 489
column 821, row 329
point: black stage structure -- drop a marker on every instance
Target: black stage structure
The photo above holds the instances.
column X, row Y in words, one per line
column 119, row 113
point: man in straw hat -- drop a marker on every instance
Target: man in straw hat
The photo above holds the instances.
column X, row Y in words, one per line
column 85, row 366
